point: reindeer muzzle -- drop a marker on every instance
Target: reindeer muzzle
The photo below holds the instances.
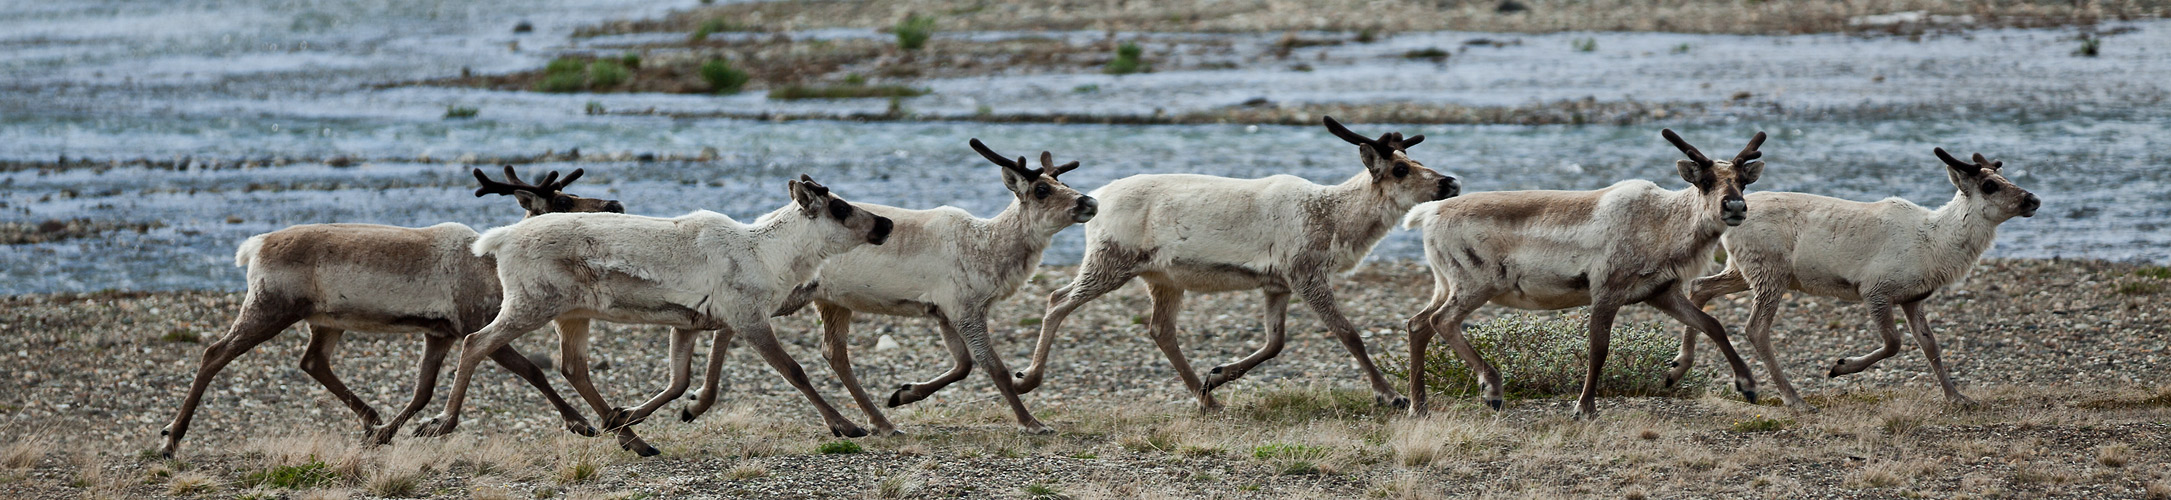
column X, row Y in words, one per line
column 1449, row 188
column 1087, row 208
column 2029, row 204
column 1733, row 211
column 881, row 232
column 614, row 206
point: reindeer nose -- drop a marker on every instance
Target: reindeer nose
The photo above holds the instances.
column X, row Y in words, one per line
column 881, row 232
column 1087, row 208
column 614, row 206
column 1449, row 188
column 2029, row 204
column 1735, row 210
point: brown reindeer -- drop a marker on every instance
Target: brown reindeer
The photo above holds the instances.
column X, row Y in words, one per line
column 1628, row 243
column 386, row 279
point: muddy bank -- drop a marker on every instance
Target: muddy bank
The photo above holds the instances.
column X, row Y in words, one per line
column 1516, row 16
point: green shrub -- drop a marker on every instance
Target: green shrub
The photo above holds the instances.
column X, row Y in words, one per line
column 1041, row 490
column 2158, row 272
column 839, row 447
column 564, row 65
column 843, row 91
column 457, row 112
column 308, row 475
column 2090, row 47
column 713, row 26
column 1584, row 44
column 723, row 78
column 1130, row 58
column 914, row 30
column 564, row 74
column 631, row 60
column 607, row 73
column 1545, row 355
column 2139, row 288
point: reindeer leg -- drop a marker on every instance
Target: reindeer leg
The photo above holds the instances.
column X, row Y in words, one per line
column 514, row 319
column 1880, row 317
column 434, row 348
column 1452, row 310
column 1760, row 322
column 1167, row 302
column 1275, row 317
column 972, row 326
column 682, row 351
column 836, row 348
column 1928, row 342
column 961, row 365
column 711, row 380
column 1320, row 296
column 1601, row 338
column 763, row 341
column 519, row 364
column 317, row 362
column 259, row 321
column 1100, row 275
column 1702, row 290
column 1674, row 304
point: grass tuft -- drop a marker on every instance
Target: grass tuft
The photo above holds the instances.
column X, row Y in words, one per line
column 2158, row 272
column 1041, row 490
column 1432, row 53
column 914, row 30
column 310, row 474
column 1584, row 44
column 25, row 453
column 191, row 484
column 2090, row 47
column 181, row 335
column 747, row 471
column 839, row 447
column 2114, row 454
column 1130, row 58
column 722, row 77
column 2139, row 288
column 452, row 112
column 1760, row 423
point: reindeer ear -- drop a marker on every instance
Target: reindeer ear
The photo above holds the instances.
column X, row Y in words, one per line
column 1749, row 172
column 1693, row 172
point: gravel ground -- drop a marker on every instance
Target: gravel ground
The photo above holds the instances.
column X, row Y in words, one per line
column 2067, row 356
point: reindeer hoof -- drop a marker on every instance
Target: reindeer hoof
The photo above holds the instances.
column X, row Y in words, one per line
column 619, row 418
column 1495, row 403
column 904, row 396
column 436, row 427
column 641, row 448
column 1038, row 430
column 581, row 428
column 850, row 432
column 1397, row 402
column 380, row 436
column 685, row 415
column 1749, row 396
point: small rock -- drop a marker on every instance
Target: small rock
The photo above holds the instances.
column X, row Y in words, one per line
column 341, row 161
column 523, row 27
column 600, row 365
column 1510, row 7
column 885, row 343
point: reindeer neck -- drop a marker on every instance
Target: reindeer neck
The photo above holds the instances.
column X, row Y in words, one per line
column 1016, row 233
column 1362, row 209
column 1703, row 216
column 789, row 234
column 1960, row 226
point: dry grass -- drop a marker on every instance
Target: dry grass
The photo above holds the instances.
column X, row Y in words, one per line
column 191, row 483
column 1689, row 16
column 747, row 471
column 26, row 453
column 2114, row 454
column 403, row 467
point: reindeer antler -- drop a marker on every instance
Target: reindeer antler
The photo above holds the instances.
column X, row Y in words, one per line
column 1694, row 155
column 1017, row 165
column 551, row 185
column 1750, row 152
column 1048, row 166
column 1386, row 143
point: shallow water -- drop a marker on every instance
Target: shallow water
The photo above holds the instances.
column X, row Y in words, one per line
column 220, row 81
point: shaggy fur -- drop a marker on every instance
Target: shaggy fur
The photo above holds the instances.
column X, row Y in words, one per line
column 1280, row 235
column 700, row 271
column 1881, row 253
column 1628, row 243
column 947, row 265
column 385, row 279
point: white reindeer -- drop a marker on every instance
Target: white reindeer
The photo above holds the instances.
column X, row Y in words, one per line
column 386, row 279
column 1280, row 234
column 699, row 271
column 947, row 265
column 1627, row 243
column 1881, row 253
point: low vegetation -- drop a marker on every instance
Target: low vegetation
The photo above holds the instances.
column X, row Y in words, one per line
column 1544, row 355
column 723, row 78
column 913, row 31
column 843, row 91
column 1130, row 58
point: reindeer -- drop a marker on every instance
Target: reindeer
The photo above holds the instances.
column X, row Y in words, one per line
column 1631, row 242
column 1882, row 253
column 947, row 265
column 1279, row 235
column 700, row 271
column 372, row 278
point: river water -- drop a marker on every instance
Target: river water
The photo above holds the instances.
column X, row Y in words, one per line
column 287, row 85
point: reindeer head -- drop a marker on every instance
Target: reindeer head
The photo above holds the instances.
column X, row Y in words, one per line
column 1393, row 172
column 852, row 224
column 1982, row 181
column 545, row 198
column 1044, row 197
column 1721, row 182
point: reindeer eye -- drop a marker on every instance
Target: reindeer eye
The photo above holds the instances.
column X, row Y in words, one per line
column 561, row 202
column 1402, row 170
column 1990, row 187
column 1040, row 191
